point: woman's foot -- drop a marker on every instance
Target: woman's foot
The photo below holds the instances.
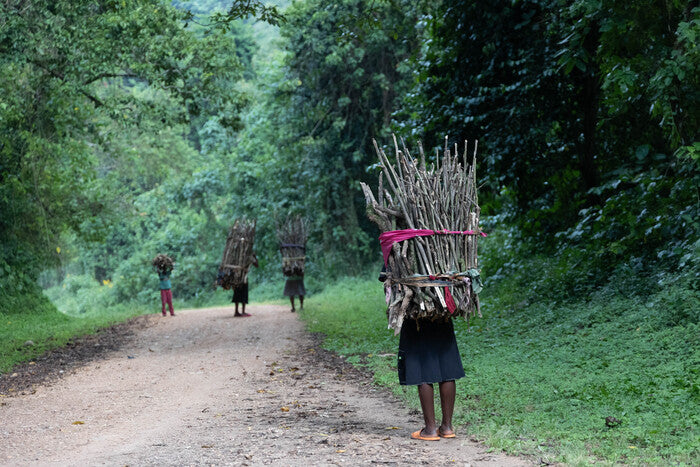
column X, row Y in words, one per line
column 446, row 432
column 292, row 310
column 246, row 314
column 423, row 436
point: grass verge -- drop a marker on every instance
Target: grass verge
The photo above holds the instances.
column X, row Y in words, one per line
column 543, row 377
column 40, row 327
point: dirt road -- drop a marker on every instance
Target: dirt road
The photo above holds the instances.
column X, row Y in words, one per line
column 205, row 388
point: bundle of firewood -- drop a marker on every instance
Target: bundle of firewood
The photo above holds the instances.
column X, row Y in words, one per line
column 292, row 234
column 163, row 263
column 429, row 219
column 238, row 254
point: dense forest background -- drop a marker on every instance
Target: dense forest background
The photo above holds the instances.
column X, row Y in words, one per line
column 135, row 127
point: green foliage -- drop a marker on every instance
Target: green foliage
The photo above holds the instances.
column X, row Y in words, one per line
column 19, row 293
column 47, row 328
column 585, row 114
column 90, row 73
column 341, row 83
column 224, row 13
column 543, row 375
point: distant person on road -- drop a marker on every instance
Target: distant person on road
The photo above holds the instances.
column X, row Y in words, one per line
column 428, row 354
column 294, row 286
column 166, row 294
column 240, row 293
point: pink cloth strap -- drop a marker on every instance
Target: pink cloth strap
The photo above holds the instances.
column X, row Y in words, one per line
column 387, row 239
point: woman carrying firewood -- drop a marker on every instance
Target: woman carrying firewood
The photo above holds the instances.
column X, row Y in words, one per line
column 235, row 262
column 240, row 292
column 163, row 266
column 429, row 221
column 292, row 234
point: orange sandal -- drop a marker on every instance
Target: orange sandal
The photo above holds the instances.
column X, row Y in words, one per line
column 445, row 435
column 418, row 435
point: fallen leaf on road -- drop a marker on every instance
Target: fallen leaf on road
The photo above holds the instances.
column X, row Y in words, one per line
column 392, row 428
column 78, row 422
column 206, row 446
column 340, row 450
column 285, row 409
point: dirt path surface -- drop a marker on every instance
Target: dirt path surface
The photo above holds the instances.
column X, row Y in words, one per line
column 204, row 388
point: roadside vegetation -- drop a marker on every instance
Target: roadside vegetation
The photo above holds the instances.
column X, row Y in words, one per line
column 607, row 378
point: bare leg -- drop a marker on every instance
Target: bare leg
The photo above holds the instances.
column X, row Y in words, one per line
column 426, row 396
column 301, row 300
column 237, row 313
column 291, row 299
column 170, row 303
column 448, row 391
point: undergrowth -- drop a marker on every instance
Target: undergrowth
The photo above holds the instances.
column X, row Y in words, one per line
column 37, row 326
column 543, row 375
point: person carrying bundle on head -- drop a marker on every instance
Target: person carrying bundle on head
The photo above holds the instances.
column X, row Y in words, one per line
column 429, row 222
column 235, row 263
column 163, row 265
column 292, row 234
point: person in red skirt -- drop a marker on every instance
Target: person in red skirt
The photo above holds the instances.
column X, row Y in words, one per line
column 166, row 293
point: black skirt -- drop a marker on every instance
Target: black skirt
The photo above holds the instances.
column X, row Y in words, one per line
column 294, row 287
column 428, row 353
column 240, row 294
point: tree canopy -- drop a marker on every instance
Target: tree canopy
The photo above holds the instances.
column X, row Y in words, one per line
column 133, row 127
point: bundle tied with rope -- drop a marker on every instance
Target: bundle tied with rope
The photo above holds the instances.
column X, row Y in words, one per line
column 292, row 234
column 163, row 264
column 429, row 222
column 238, row 254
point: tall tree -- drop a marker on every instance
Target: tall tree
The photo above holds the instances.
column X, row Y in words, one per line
column 344, row 59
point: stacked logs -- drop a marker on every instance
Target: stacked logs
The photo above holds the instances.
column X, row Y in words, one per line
column 436, row 275
column 163, row 264
column 292, row 234
column 238, row 254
